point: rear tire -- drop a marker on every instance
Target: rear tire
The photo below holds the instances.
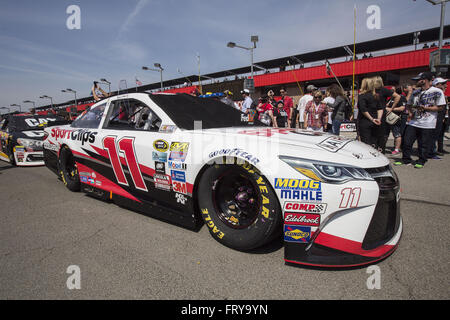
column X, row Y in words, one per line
column 68, row 170
column 239, row 206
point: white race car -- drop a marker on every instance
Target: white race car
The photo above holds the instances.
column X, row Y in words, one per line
column 186, row 160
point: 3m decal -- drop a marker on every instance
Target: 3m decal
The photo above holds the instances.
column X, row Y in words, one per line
column 350, row 197
column 180, row 187
column 296, row 184
column 302, row 219
column 125, row 145
column 160, row 145
column 293, row 233
column 305, row 207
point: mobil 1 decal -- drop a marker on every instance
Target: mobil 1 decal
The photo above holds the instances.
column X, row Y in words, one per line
column 299, row 189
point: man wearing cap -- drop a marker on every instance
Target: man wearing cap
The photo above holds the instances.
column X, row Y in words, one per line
column 442, row 117
column 302, row 104
column 247, row 100
column 227, row 99
column 423, row 105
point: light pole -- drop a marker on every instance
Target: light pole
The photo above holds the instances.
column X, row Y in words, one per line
column 73, row 91
column 17, row 105
column 9, row 110
column 160, row 70
column 47, row 97
column 253, row 39
column 29, row 101
column 441, row 30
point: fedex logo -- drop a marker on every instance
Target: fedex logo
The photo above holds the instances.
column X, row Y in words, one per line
column 305, row 207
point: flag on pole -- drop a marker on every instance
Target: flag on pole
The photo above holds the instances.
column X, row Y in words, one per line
column 138, row 83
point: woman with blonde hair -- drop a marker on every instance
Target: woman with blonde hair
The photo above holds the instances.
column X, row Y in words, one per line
column 370, row 113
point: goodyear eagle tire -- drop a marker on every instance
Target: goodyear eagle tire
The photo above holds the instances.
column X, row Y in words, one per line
column 68, row 170
column 239, row 206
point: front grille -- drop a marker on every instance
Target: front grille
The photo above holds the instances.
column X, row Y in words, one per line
column 35, row 157
column 386, row 217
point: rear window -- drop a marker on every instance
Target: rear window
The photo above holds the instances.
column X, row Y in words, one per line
column 184, row 109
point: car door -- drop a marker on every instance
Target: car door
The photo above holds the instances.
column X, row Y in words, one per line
column 137, row 150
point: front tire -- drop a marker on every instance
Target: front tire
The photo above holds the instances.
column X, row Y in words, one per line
column 239, row 206
column 68, row 170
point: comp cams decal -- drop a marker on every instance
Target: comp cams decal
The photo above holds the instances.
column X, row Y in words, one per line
column 305, row 207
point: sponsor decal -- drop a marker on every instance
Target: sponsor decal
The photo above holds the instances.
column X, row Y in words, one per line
column 178, row 151
column 160, row 145
column 179, row 187
column 176, row 165
column 262, row 188
column 235, row 152
column 83, row 136
column 91, row 181
column 83, row 179
column 180, row 198
column 334, row 143
column 266, row 132
column 296, row 184
column 211, row 224
column 159, row 156
column 302, row 219
column 60, row 133
column 305, row 207
column 50, row 146
column 178, row 176
column 34, row 134
column 293, row 233
column 162, row 181
column 31, row 122
column 160, row 167
column 348, row 127
column 247, row 118
column 303, row 195
column 167, row 128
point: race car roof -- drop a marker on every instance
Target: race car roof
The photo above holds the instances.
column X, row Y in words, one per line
column 184, row 109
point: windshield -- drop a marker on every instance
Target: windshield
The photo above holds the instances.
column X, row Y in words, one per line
column 36, row 122
column 184, row 109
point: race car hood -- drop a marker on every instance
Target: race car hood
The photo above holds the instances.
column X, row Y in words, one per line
column 312, row 145
column 28, row 134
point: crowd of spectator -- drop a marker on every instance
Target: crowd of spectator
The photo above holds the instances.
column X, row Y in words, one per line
column 411, row 112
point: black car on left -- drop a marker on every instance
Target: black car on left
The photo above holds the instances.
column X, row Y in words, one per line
column 21, row 138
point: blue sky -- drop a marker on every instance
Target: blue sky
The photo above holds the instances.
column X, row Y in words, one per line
column 40, row 55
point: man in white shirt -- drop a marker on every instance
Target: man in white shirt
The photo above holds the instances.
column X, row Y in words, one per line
column 423, row 105
column 302, row 104
column 247, row 100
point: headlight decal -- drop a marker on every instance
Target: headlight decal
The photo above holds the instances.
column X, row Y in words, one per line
column 326, row 171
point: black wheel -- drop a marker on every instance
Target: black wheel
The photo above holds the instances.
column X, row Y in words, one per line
column 239, row 206
column 68, row 170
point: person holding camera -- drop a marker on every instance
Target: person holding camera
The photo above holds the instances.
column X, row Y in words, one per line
column 423, row 106
column 98, row 93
